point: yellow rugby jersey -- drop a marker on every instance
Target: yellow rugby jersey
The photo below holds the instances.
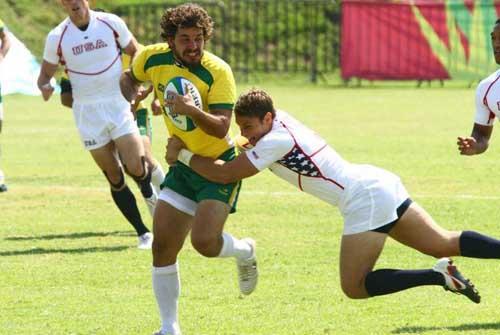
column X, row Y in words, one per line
column 214, row 80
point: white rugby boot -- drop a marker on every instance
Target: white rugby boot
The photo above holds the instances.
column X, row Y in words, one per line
column 454, row 281
column 177, row 331
column 247, row 270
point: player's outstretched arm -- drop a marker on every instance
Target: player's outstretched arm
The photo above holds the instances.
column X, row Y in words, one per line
column 47, row 71
column 477, row 143
column 217, row 171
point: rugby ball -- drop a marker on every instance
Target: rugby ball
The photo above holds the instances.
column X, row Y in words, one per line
column 181, row 86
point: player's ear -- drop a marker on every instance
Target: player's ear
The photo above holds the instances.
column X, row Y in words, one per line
column 170, row 42
column 268, row 118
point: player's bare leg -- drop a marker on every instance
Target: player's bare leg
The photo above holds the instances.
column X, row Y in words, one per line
column 107, row 160
column 418, row 230
column 358, row 255
column 132, row 154
column 209, row 239
column 206, row 235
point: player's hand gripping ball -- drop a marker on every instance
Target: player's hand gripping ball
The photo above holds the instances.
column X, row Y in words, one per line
column 181, row 86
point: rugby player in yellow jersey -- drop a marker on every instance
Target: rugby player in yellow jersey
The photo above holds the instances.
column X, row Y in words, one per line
column 143, row 119
column 187, row 200
column 4, row 48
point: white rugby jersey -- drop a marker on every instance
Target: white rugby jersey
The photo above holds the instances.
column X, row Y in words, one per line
column 91, row 57
column 298, row 155
column 488, row 100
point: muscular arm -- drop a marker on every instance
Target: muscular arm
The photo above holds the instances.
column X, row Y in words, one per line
column 131, row 48
column 215, row 123
column 5, row 45
column 217, row 171
column 223, row 172
column 214, row 170
column 477, row 143
column 129, row 86
column 47, row 71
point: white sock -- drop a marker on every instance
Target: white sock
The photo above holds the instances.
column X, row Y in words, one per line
column 232, row 247
column 157, row 177
column 167, row 287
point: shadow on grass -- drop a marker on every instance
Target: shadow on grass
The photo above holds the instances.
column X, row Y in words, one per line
column 459, row 328
column 41, row 251
column 70, row 236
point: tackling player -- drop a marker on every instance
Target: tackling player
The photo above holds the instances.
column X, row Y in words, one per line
column 373, row 202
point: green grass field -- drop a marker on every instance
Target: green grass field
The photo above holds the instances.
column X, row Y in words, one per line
column 69, row 263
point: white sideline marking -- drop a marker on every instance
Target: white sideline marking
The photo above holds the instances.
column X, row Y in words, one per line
column 279, row 193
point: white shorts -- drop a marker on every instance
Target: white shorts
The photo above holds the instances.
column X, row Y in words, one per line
column 178, row 201
column 102, row 121
column 372, row 200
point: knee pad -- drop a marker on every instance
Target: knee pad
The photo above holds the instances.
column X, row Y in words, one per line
column 118, row 186
column 144, row 169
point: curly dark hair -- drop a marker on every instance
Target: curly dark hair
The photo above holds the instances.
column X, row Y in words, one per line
column 186, row 16
column 254, row 103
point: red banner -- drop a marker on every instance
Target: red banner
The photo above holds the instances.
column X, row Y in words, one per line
column 416, row 40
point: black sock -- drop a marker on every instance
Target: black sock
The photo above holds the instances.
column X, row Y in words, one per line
column 145, row 184
column 125, row 201
column 475, row 245
column 387, row 281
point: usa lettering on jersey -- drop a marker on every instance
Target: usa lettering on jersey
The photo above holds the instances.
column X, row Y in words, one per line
column 88, row 47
